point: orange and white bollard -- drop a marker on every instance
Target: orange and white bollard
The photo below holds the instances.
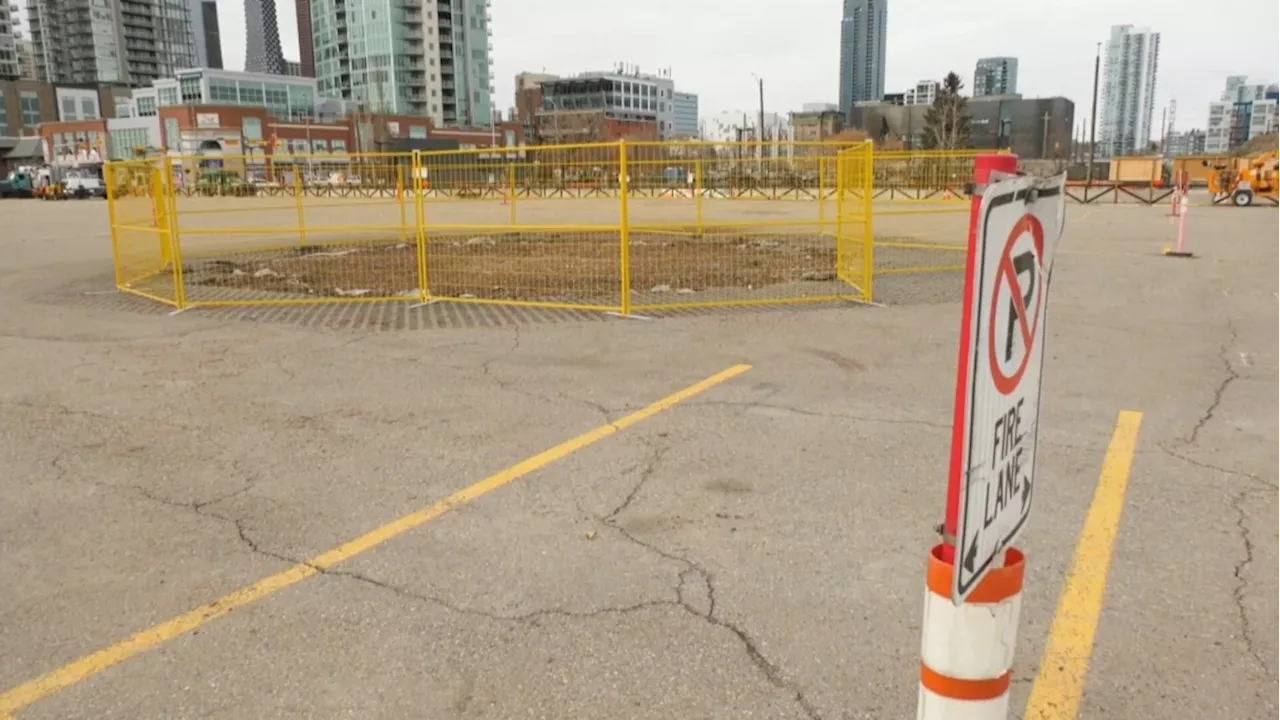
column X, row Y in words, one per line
column 966, row 655
column 1180, row 250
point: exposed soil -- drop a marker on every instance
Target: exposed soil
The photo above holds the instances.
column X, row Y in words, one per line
column 545, row 266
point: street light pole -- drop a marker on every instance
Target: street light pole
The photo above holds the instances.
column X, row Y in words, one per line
column 1093, row 121
column 760, row 130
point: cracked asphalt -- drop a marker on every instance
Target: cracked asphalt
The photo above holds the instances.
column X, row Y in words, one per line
column 755, row 551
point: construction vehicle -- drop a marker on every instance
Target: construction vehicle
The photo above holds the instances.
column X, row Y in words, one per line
column 17, row 185
column 55, row 183
column 1259, row 179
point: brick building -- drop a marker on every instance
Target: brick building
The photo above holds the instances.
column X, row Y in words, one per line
column 212, row 132
column 25, row 104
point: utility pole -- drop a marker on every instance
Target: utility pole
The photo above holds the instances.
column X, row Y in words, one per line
column 1093, row 122
column 1044, row 138
column 760, row 141
column 1164, row 118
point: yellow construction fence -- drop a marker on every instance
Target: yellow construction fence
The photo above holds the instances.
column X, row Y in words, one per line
column 622, row 227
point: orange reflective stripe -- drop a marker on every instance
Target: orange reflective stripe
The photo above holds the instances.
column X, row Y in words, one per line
column 963, row 689
column 999, row 584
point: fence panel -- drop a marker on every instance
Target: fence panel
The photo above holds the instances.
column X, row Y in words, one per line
column 692, row 244
column 549, row 236
column 855, row 239
column 139, row 211
column 932, row 175
column 297, row 229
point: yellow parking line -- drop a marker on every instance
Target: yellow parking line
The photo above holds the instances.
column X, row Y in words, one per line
column 1060, row 683
column 90, row 665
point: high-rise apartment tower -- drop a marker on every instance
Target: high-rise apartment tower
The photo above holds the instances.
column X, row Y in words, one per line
column 306, row 42
column 408, row 56
column 122, row 41
column 1128, row 93
column 862, row 46
column 995, row 76
column 9, row 66
column 262, row 53
column 208, row 37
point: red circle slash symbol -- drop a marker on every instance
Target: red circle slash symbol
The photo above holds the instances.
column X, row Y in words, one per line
column 1002, row 341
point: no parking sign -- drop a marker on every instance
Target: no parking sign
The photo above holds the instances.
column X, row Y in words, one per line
column 1019, row 224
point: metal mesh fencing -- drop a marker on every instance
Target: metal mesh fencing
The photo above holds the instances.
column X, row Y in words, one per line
column 140, row 214
column 297, row 229
column 622, row 227
column 855, row 238
column 932, row 175
column 921, row 205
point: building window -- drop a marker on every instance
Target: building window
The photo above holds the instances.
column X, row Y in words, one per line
column 190, row 90
column 4, row 120
column 340, row 146
column 251, row 95
column 319, row 146
column 29, row 104
column 223, row 91
column 88, row 109
column 146, row 106
column 172, row 140
column 251, row 127
column 123, row 143
column 418, row 132
column 69, row 109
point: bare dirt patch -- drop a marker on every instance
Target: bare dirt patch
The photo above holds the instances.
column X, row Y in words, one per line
column 514, row 266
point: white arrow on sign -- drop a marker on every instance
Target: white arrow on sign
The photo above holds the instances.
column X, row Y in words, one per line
column 1019, row 225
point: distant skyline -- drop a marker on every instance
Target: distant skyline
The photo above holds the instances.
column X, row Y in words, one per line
column 713, row 46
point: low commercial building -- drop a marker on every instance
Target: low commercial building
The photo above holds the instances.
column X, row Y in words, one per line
column 608, row 106
column 1030, row 127
column 816, row 125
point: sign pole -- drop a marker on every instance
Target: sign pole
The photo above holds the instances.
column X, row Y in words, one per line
column 975, row 575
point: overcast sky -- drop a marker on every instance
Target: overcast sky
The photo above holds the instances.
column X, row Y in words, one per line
column 713, row 46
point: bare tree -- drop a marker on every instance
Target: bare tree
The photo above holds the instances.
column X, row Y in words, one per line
column 946, row 123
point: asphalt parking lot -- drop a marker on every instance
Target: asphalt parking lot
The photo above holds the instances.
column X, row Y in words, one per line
column 231, row 515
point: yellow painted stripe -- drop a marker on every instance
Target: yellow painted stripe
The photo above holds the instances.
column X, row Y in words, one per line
column 90, row 665
column 1060, row 683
